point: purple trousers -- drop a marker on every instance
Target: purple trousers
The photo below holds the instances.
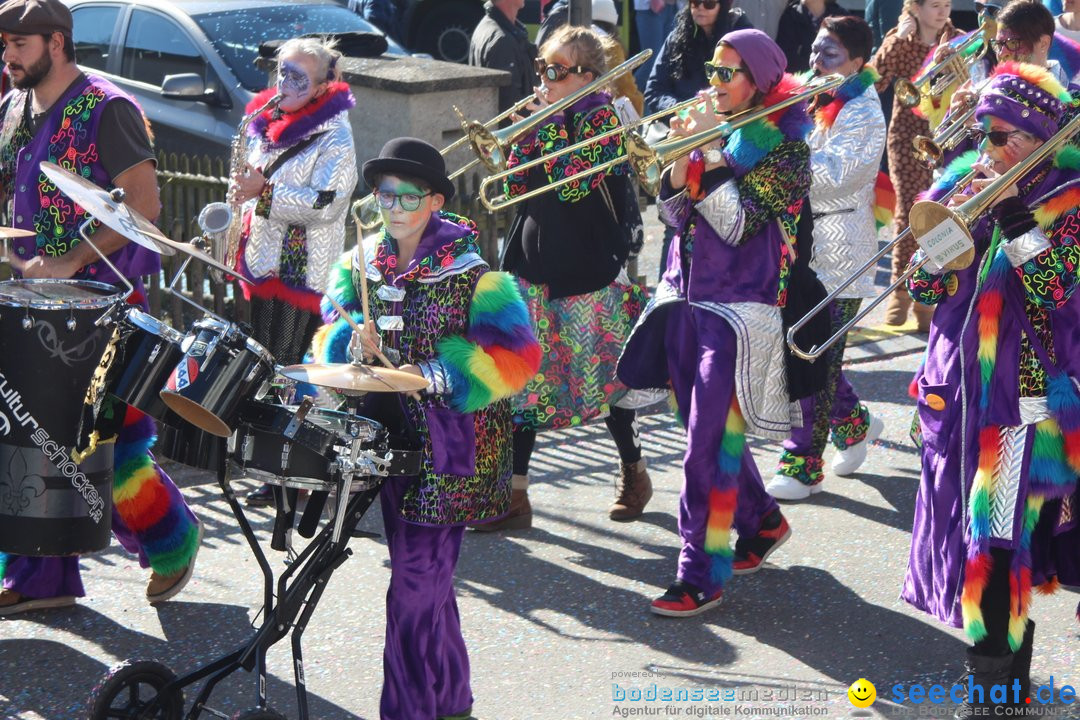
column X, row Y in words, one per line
column 45, row 577
column 425, row 663
column 701, row 362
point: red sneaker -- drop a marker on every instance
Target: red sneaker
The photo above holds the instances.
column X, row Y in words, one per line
column 752, row 552
column 683, row 600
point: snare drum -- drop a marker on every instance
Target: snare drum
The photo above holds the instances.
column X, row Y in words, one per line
column 146, row 355
column 50, row 351
column 220, row 369
column 263, row 452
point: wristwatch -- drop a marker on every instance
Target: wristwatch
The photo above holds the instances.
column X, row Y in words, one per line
column 713, row 156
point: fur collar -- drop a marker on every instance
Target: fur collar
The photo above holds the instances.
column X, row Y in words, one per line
column 282, row 130
column 748, row 145
column 825, row 113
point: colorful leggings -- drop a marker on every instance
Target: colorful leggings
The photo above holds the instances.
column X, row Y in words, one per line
column 834, row 409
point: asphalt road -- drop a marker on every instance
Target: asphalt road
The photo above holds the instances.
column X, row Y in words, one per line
column 557, row 618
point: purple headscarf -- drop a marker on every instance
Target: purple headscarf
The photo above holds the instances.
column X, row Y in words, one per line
column 764, row 58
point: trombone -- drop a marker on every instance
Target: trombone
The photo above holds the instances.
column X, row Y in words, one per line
column 647, row 161
column 951, row 70
column 925, row 217
column 931, row 151
column 493, row 146
column 365, row 206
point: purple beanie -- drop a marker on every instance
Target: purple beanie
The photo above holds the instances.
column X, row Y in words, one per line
column 760, row 54
column 1021, row 96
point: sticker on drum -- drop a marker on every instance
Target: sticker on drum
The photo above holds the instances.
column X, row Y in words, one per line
column 221, row 369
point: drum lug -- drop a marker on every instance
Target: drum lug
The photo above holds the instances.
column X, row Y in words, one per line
column 71, row 324
column 286, row 449
column 27, row 322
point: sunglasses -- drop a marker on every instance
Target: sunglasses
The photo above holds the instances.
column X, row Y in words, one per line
column 723, row 73
column 1012, row 45
column 408, row 201
column 554, row 72
column 707, row 4
column 989, row 11
column 998, row 138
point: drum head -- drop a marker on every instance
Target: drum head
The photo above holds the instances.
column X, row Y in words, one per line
column 58, row 294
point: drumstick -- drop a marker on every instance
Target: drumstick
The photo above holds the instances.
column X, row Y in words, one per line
column 356, row 327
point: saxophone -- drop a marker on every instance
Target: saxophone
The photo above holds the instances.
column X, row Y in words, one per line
column 237, row 159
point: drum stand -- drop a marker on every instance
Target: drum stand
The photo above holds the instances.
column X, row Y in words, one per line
column 286, row 611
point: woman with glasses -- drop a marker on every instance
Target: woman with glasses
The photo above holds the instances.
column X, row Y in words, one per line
column 713, row 331
column 900, row 56
column 294, row 192
column 567, row 248
column 995, row 514
column 679, row 72
column 845, row 152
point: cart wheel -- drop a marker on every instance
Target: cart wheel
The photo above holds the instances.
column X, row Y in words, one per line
column 258, row 714
column 127, row 689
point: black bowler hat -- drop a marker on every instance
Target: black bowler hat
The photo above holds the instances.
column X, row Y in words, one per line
column 411, row 157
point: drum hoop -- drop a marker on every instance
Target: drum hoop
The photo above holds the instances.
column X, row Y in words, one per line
column 45, row 303
column 149, row 323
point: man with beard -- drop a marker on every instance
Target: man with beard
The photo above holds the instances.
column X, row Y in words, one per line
column 91, row 128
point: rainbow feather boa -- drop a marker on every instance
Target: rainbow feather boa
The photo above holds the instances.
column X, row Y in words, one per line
column 723, row 497
column 748, row 145
column 825, row 114
column 1055, row 454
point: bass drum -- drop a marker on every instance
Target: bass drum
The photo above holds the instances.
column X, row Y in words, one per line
column 50, row 352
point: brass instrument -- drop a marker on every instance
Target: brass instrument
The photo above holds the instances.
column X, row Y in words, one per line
column 950, row 71
column 237, row 160
column 926, row 216
column 648, row 161
column 366, row 214
column 492, row 146
column 931, row 151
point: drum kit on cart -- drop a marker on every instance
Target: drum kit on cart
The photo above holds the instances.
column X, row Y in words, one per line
column 67, row 344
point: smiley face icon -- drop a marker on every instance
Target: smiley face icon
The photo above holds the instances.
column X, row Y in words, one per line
column 862, row 693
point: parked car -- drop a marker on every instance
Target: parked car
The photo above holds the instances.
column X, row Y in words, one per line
column 191, row 63
column 442, row 28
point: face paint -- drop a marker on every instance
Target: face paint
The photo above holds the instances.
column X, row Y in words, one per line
column 826, row 53
column 403, row 225
column 292, row 80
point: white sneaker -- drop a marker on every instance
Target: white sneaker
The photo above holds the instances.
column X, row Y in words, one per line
column 845, row 462
column 783, row 487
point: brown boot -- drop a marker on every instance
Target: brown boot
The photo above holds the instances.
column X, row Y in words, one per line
column 923, row 315
column 519, row 517
column 633, row 490
column 896, row 307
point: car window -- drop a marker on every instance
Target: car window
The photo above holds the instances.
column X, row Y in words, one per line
column 155, row 47
column 237, row 34
column 93, row 33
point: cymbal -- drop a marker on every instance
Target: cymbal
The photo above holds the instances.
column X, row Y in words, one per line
column 14, row 232
column 117, row 216
column 353, row 377
column 200, row 255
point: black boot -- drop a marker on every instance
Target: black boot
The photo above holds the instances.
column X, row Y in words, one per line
column 1021, row 664
column 984, row 672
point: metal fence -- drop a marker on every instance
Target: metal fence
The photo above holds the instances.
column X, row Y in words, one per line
column 189, row 183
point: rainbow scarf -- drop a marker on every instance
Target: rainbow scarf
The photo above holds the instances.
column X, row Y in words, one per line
column 1055, row 454
column 723, row 497
column 825, row 114
column 748, row 145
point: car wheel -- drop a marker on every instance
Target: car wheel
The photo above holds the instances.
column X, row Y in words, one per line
column 445, row 31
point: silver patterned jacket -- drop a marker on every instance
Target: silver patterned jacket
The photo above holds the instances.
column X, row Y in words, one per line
column 300, row 187
column 844, row 162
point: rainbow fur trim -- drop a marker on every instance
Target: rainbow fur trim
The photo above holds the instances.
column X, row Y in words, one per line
column 747, row 146
column 1067, row 53
column 959, row 167
column 330, row 343
column 166, row 532
column 499, row 354
column 1035, row 75
column 695, row 171
column 825, row 115
column 723, row 497
column 884, row 201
